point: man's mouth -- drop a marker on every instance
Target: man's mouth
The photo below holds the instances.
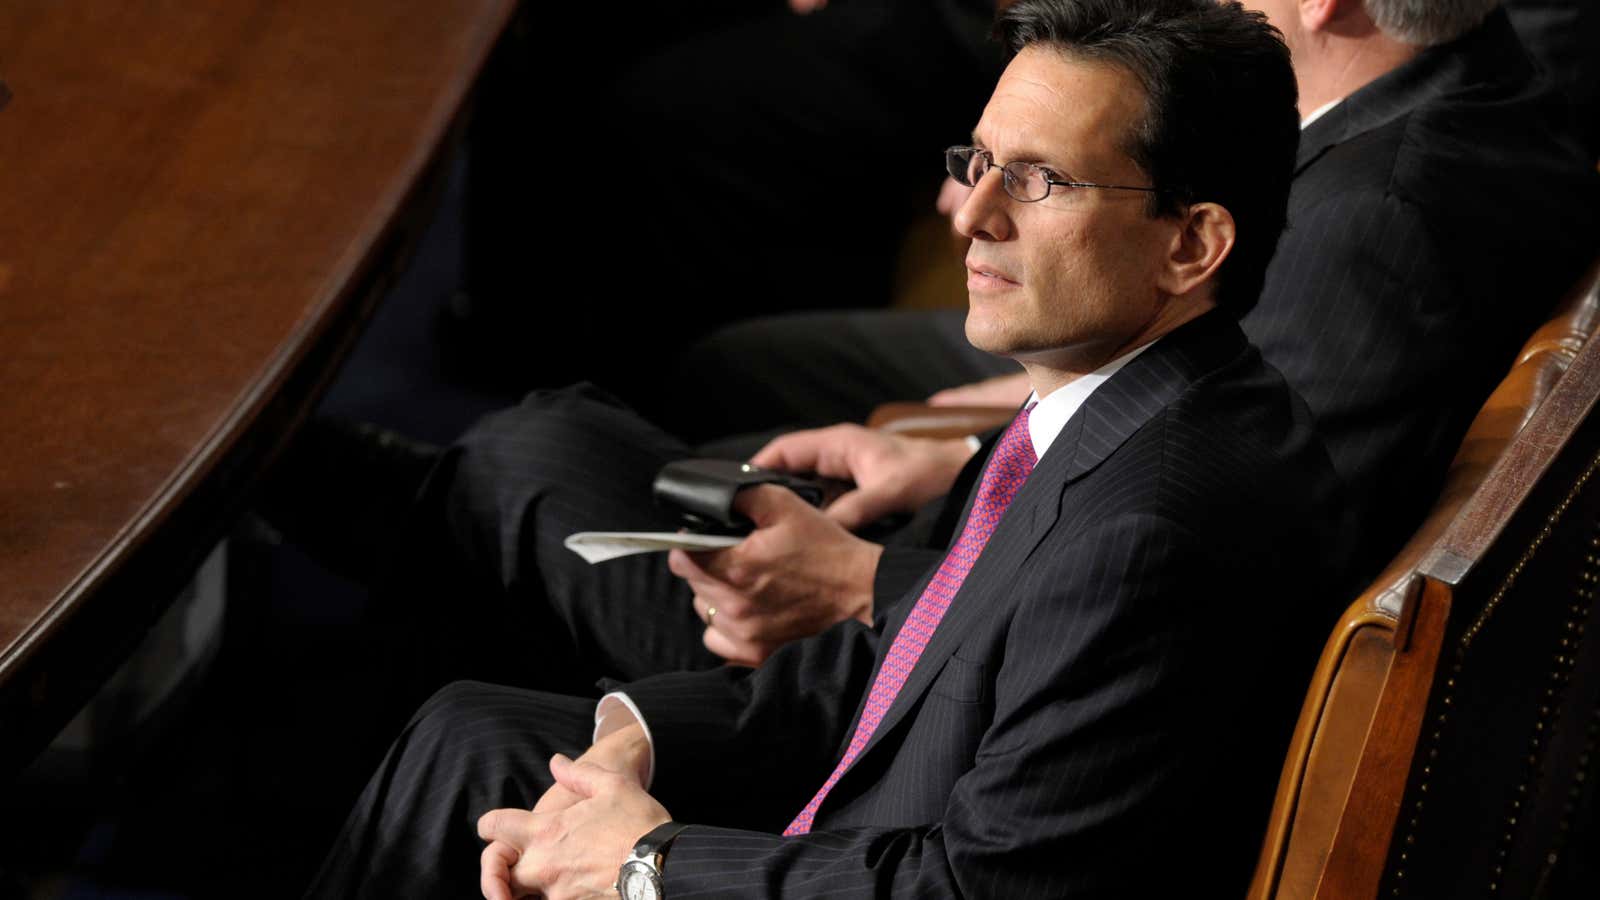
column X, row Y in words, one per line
column 982, row 276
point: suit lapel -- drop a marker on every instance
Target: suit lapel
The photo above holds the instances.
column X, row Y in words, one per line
column 1321, row 135
column 1117, row 409
column 1488, row 54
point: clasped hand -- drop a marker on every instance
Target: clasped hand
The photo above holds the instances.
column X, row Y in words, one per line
column 801, row 570
column 575, row 840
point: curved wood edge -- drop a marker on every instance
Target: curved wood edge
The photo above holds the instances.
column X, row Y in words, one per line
column 1480, row 467
column 1503, row 416
column 132, row 580
column 1361, row 614
column 1481, row 481
column 1372, row 805
column 1564, row 400
column 69, row 654
column 352, row 283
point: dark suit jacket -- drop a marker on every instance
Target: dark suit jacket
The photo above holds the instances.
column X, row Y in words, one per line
column 1113, row 685
column 1435, row 217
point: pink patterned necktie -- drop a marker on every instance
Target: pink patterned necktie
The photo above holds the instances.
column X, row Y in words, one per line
column 1009, row 466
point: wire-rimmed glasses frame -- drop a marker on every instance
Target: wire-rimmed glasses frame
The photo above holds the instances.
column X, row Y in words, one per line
column 1024, row 181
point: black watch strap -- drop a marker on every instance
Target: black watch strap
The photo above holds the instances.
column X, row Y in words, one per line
column 658, row 838
column 643, row 868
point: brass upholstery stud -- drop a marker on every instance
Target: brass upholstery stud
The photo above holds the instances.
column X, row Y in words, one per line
column 1588, row 575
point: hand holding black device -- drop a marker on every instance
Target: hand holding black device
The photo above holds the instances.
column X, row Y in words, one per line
column 702, row 491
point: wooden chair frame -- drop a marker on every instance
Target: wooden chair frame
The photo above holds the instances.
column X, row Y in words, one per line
column 1354, row 749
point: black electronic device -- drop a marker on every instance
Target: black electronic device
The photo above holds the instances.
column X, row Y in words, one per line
column 702, row 491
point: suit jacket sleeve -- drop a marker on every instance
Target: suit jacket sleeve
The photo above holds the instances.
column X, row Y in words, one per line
column 1087, row 753
column 722, row 730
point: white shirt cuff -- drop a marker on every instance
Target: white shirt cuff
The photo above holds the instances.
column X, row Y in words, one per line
column 616, row 710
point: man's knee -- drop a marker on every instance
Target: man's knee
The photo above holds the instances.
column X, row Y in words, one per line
column 451, row 703
column 446, row 720
column 548, row 433
column 471, row 731
column 574, row 449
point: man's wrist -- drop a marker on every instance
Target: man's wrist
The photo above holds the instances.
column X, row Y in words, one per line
column 866, row 578
column 620, row 733
column 641, row 873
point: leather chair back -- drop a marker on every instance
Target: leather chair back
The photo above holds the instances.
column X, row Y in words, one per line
column 1446, row 744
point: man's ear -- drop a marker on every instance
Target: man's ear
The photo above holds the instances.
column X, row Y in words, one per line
column 1203, row 240
column 1315, row 15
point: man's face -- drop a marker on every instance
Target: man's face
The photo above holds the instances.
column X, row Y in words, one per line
column 1068, row 282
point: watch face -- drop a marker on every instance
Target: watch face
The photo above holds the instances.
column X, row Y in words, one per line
column 639, row 882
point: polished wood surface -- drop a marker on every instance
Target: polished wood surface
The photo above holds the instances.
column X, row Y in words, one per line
column 913, row 419
column 201, row 201
column 1346, row 772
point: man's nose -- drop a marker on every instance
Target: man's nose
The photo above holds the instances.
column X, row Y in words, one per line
column 986, row 214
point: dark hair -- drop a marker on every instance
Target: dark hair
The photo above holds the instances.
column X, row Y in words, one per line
column 1220, row 122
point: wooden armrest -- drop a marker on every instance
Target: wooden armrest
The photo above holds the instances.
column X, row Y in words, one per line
column 922, row 420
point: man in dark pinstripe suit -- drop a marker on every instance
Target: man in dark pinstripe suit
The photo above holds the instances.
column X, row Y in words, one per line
column 1437, row 209
column 1441, row 204
column 1100, row 710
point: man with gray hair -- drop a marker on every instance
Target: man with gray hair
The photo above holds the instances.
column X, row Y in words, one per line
column 1424, row 23
column 1440, row 205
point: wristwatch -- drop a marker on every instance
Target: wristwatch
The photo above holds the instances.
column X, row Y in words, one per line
column 640, row 878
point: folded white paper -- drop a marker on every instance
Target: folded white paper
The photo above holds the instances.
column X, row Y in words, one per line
column 599, row 546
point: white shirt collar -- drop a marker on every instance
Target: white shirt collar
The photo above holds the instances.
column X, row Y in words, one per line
column 1319, row 112
column 1050, row 415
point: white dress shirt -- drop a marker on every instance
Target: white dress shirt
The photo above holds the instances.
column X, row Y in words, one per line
column 1050, row 414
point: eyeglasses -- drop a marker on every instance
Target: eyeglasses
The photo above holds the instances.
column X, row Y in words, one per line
column 1024, row 181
